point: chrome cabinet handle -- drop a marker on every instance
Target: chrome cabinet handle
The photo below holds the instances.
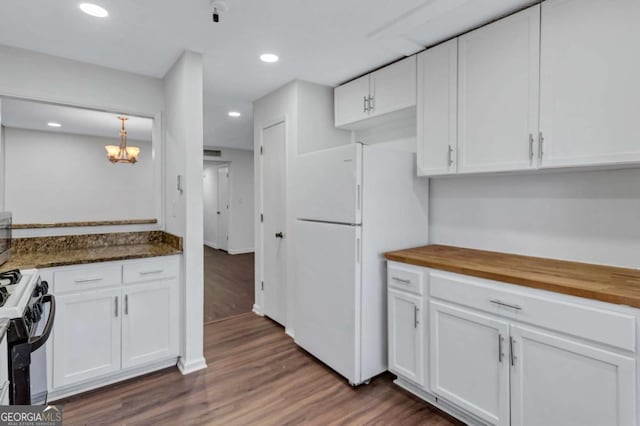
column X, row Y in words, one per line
column 365, row 104
column 126, row 304
column 507, row 305
column 500, row 350
column 415, row 316
column 279, row 235
column 512, row 356
column 450, row 153
column 157, row 271
column 116, row 306
column 401, row 280
column 89, row 280
column 372, row 103
column 540, row 145
column 530, row 146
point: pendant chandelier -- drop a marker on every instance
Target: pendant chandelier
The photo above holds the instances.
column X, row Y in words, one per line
column 122, row 153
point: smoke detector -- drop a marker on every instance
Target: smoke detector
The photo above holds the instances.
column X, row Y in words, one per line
column 219, row 7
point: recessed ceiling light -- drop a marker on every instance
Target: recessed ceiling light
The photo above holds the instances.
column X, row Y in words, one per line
column 234, row 114
column 94, row 10
column 269, row 58
column 54, row 124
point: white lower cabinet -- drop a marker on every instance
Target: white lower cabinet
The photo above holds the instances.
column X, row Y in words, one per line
column 149, row 323
column 86, row 341
column 501, row 354
column 559, row 381
column 469, row 365
column 406, row 336
column 103, row 335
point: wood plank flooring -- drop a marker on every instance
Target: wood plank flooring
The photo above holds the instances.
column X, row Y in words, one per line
column 228, row 284
column 256, row 375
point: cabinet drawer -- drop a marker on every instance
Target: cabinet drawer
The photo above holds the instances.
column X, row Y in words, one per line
column 87, row 277
column 565, row 314
column 407, row 279
column 150, row 270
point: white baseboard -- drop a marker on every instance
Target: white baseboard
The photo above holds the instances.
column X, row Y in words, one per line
column 256, row 310
column 210, row 244
column 191, row 366
column 241, row 251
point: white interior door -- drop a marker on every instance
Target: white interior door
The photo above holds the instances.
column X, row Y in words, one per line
column 223, row 208
column 556, row 381
column 327, row 294
column 273, row 227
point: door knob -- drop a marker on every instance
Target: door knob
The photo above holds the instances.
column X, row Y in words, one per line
column 279, row 235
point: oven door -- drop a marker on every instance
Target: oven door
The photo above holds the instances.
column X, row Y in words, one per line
column 29, row 359
column 39, row 377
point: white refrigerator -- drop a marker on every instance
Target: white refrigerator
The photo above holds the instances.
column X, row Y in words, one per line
column 353, row 203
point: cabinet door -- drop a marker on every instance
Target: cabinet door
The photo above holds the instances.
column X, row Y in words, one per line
column 150, row 322
column 498, row 94
column 393, row 88
column 351, row 101
column 437, row 109
column 557, row 381
column 470, row 361
column 590, row 90
column 406, row 336
column 86, row 336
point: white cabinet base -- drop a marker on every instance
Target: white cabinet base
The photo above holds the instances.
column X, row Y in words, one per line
column 64, row 392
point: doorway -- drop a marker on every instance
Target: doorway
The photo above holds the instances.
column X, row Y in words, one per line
column 229, row 285
column 274, row 221
column 223, row 208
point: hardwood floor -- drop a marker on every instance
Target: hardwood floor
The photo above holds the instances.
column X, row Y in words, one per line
column 228, row 284
column 256, row 375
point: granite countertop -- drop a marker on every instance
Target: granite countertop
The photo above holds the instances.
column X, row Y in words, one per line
column 87, row 255
column 599, row 282
column 48, row 252
column 4, row 326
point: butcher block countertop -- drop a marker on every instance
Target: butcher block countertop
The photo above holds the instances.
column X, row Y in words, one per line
column 605, row 283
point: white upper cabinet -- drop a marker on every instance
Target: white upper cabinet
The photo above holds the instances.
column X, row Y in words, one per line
column 590, row 85
column 437, row 109
column 390, row 89
column 498, row 94
column 393, row 88
column 351, row 101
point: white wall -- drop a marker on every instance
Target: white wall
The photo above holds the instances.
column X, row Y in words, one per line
column 57, row 177
column 28, row 74
column 307, row 109
column 183, row 127
column 588, row 216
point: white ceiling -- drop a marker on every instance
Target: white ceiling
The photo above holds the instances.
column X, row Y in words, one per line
column 325, row 42
column 35, row 116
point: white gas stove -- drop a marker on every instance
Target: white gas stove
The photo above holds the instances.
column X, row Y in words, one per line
column 16, row 297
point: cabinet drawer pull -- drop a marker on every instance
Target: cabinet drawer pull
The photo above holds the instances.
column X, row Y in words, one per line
column 157, row 271
column 540, row 145
column 450, row 154
column 88, row 280
column 126, row 304
column 401, row 280
column 116, row 305
column 364, row 104
column 415, row 316
column 500, row 351
column 507, row 305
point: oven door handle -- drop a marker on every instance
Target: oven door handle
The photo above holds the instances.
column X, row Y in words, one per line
column 37, row 341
